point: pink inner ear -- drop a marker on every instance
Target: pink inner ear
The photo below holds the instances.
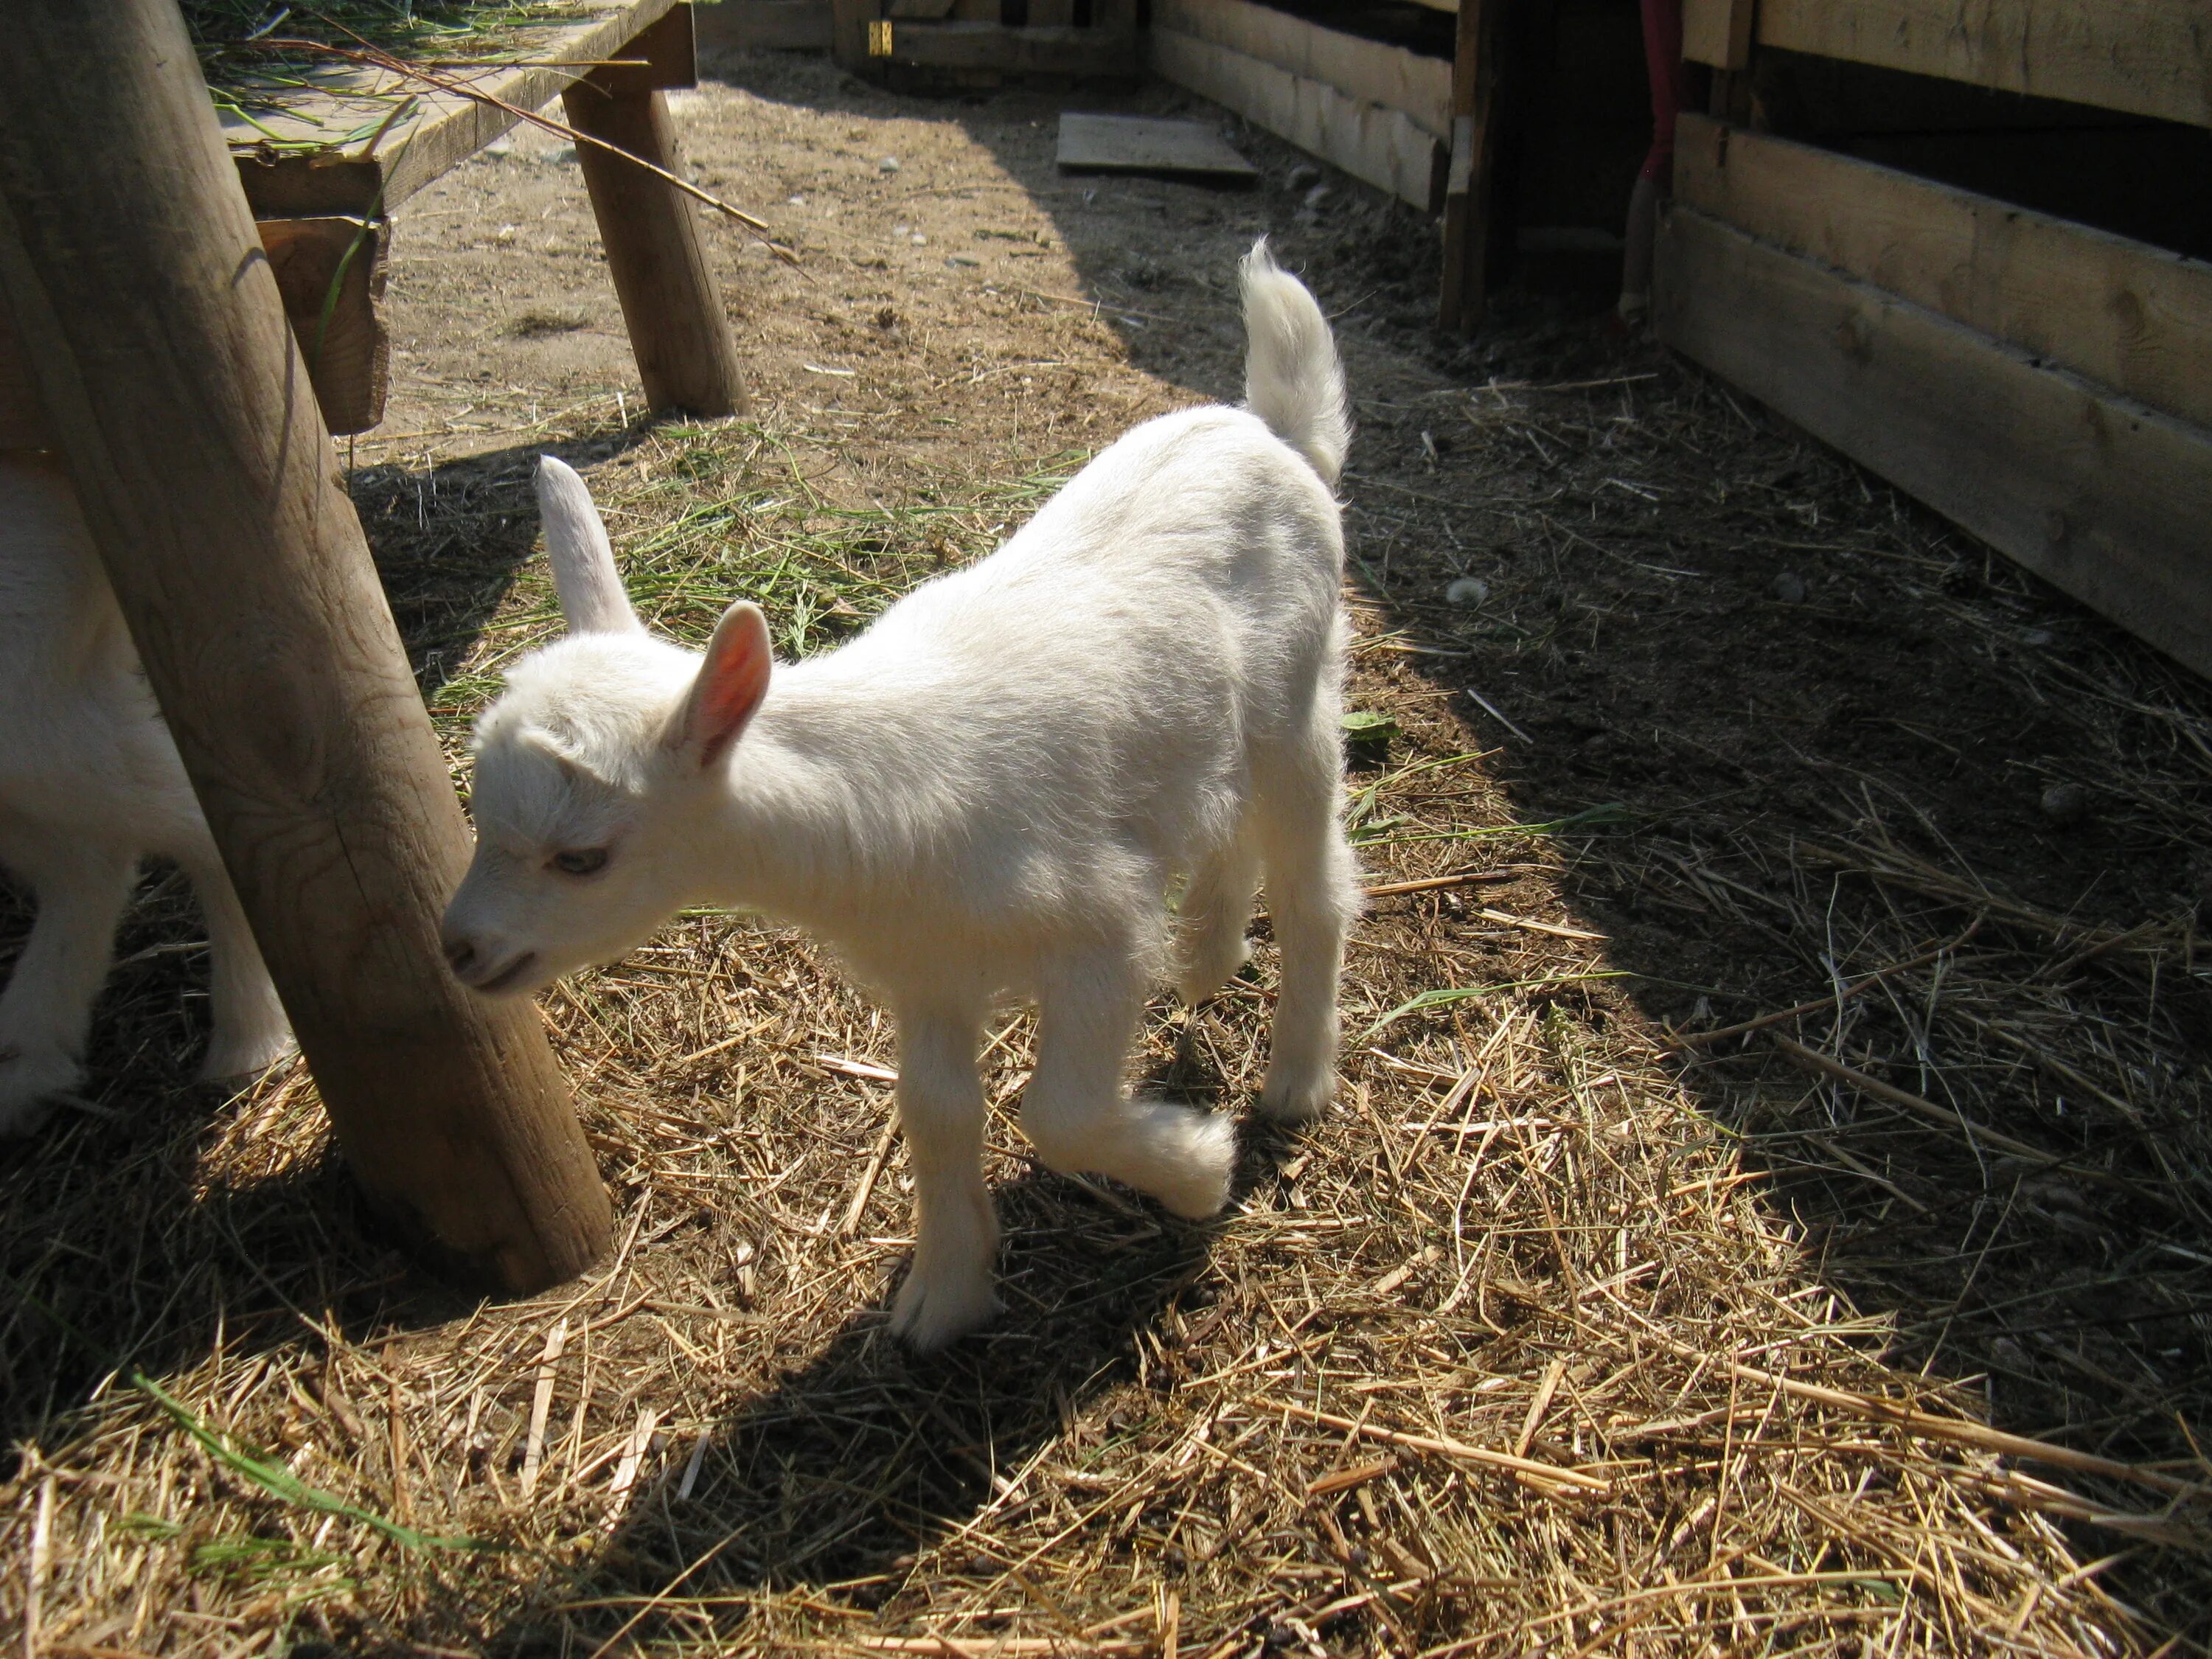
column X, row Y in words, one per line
column 730, row 687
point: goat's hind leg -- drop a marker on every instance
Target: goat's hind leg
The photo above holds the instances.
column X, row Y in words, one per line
column 948, row 1291
column 251, row 1032
column 1210, row 922
column 80, row 887
column 1312, row 897
column 1081, row 1121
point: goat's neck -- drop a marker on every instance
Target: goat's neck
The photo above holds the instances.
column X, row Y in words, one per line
column 817, row 810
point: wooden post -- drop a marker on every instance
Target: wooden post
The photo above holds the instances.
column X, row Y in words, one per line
column 671, row 303
column 142, row 300
column 1468, row 194
column 849, row 34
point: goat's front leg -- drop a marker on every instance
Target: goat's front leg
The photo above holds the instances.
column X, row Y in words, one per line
column 80, row 888
column 948, row 1291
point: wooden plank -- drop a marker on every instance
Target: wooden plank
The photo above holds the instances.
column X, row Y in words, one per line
column 1370, row 71
column 849, row 22
column 22, row 421
column 2145, row 57
column 1000, row 46
column 1717, row 32
column 1380, row 147
column 329, row 274
column 1052, row 14
column 1469, row 193
column 2102, row 495
column 443, row 131
column 1140, row 144
column 2133, row 317
column 766, row 25
column 134, row 274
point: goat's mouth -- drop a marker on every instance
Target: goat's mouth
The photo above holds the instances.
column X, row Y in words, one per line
column 505, row 977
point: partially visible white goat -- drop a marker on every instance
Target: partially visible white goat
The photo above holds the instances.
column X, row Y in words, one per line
column 988, row 793
column 90, row 783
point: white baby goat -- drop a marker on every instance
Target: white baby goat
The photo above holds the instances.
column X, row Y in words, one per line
column 988, row 793
column 89, row 783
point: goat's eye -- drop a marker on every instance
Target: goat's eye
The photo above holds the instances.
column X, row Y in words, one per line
column 583, row 861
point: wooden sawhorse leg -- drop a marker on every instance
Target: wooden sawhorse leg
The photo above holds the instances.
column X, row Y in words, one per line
column 650, row 230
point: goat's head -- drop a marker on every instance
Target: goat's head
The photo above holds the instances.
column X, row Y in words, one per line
column 594, row 770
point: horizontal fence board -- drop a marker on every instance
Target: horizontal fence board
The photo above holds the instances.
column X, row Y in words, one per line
column 1370, row 71
column 2097, row 493
column 2145, row 57
column 1380, row 147
column 2135, row 317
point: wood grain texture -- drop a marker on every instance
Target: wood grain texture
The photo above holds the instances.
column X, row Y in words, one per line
column 2145, row 57
column 443, row 131
column 2136, row 318
column 329, row 274
column 1370, row 71
column 1028, row 51
column 1380, row 147
column 174, row 387
column 849, row 34
column 671, row 303
column 769, row 25
column 2097, row 493
column 1470, row 192
column 1717, row 32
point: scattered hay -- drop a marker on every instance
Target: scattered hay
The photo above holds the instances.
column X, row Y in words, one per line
column 1594, row 1320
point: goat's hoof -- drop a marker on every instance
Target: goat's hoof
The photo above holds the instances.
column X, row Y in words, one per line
column 1203, row 978
column 237, row 1058
column 935, row 1309
column 1205, row 1162
column 1293, row 1100
column 29, row 1087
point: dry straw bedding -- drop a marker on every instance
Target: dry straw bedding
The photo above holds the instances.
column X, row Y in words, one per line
column 1563, row 1334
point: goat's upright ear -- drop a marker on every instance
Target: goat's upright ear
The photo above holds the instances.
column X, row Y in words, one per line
column 592, row 594
column 732, row 682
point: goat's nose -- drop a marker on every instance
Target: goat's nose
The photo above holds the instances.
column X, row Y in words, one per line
column 460, row 953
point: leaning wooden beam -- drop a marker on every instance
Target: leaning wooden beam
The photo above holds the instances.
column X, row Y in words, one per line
column 2133, row 317
column 143, row 299
column 671, row 303
column 2145, row 57
column 2098, row 493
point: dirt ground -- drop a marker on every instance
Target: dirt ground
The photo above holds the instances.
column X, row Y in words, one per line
column 1802, row 1014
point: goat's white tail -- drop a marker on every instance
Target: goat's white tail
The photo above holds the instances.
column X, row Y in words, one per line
column 1292, row 380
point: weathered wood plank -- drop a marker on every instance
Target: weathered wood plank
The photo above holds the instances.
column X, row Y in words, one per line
column 2098, row 493
column 1717, row 32
column 1470, row 196
column 1145, row 143
column 2133, row 317
column 2145, row 57
column 1380, row 147
column 766, row 25
column 1001, row 46
column 169, row 377
column 329, row 274
column 443, row 131
column 1370, row 71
